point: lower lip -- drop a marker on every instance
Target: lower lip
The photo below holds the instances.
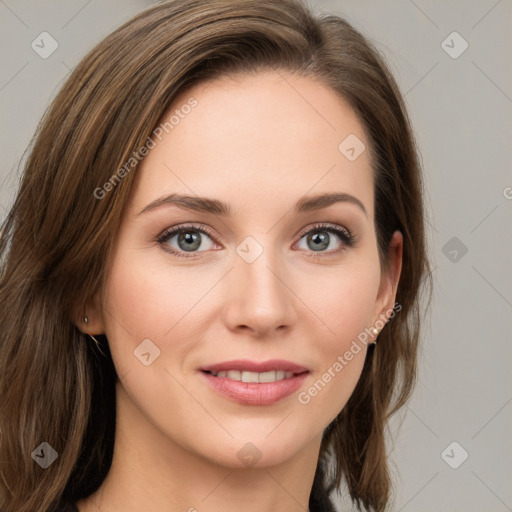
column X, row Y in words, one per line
column 253, row 393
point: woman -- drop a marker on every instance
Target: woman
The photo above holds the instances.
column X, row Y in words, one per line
column 211, row 272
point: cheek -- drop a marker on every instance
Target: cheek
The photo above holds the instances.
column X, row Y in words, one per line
column 345, row 303
column 138, row 306
column 147, row 299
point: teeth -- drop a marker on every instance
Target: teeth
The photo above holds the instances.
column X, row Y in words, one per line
column 250, row 377
column 255, row 376
column 267, row 377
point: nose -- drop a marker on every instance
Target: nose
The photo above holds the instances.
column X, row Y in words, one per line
column 260, row 299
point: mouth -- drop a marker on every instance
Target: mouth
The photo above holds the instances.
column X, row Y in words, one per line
column 255, row 383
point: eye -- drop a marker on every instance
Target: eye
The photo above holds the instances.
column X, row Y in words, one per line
column 188, row 239
column 320, row 238
column 185, row 241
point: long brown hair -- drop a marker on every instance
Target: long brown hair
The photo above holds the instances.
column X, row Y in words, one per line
column 56, row 386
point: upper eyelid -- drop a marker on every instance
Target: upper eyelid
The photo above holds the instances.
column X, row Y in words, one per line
column 323, row 225
column 176, row 229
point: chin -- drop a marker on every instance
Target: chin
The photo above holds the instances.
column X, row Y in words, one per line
column 254, row 451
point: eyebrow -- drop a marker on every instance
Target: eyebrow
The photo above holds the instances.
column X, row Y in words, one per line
column 217, row 207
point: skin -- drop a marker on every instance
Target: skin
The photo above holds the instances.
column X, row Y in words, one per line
column 258, row 145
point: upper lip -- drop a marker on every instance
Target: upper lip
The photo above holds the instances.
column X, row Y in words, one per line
column 255, row 366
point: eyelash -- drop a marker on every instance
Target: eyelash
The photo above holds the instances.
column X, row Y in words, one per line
column 348, row 240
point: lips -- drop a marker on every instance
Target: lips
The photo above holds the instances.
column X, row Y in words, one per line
column 255, row 383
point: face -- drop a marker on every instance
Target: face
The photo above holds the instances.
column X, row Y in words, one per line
column 264, row 290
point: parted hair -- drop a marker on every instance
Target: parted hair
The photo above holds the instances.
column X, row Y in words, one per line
column 56, row 242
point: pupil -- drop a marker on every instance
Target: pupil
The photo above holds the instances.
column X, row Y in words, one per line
column 320, row 240
column 192, row 240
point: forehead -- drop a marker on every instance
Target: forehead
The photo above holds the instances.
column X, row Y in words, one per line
column 261, row 139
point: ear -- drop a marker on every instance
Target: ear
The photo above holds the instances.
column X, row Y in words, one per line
column 389, row 281
column 89, row 317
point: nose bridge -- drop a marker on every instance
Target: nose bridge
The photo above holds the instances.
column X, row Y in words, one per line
column 259, row 297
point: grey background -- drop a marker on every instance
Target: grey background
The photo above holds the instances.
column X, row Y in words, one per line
column 461, row 111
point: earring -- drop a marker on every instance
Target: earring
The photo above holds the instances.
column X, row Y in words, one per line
column 85, row 320
column 98, row 345
column 95, row 340
column 375, row 331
